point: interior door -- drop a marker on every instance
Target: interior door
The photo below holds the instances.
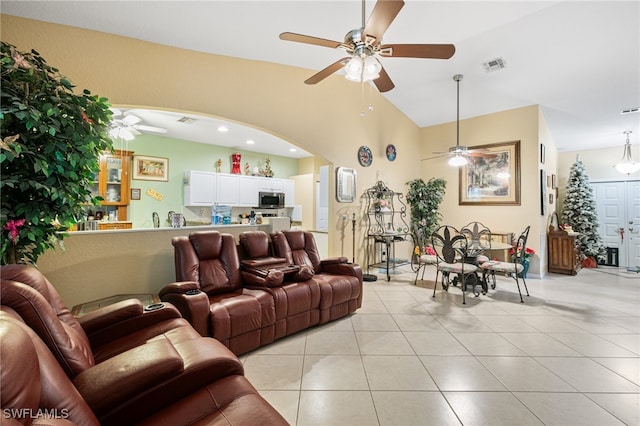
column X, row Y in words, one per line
column 633, row 223
column 618, row 209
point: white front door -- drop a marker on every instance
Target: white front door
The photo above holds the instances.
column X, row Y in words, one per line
column 618, row 209
column 633, row 223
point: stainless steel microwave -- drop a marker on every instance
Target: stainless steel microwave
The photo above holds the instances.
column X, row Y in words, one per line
column 271, row 200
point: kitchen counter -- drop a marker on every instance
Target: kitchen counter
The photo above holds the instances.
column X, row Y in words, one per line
column 98, row 264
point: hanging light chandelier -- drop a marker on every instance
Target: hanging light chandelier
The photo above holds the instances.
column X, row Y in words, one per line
column 626, row 164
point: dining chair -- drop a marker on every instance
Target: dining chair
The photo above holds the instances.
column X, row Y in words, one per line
column 478, row 241
column 513, row 269
column 451, row 251
column 423, row 254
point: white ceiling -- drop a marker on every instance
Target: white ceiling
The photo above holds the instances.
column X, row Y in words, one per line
column 579, row 60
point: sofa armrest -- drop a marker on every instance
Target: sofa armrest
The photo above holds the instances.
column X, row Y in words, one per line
column 192, row 303
column 343, row 269
column 252, row 277
column 334, row 260
column 125, row 317
column 121, row 378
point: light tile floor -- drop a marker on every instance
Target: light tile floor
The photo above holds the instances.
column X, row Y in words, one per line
column 570, row 355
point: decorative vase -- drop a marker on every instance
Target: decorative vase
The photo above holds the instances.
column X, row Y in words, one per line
column 525, row 264
column 235, row 163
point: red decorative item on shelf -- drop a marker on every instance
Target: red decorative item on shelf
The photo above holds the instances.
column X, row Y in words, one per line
column 235, row 163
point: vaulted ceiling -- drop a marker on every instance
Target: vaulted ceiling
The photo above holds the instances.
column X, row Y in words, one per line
column 579, row 60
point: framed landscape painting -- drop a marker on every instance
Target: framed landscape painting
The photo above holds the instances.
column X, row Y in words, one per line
column 150, row 168
column 492, row 175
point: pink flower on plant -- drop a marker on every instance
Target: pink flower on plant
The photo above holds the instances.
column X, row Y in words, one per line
column 12, row 226
column 429, row 250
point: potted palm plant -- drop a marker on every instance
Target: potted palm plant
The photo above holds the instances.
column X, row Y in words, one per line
column 51, row 142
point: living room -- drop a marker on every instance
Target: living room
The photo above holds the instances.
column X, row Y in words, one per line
column 325, row 122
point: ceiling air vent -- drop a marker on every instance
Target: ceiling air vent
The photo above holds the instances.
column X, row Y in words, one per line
column 187, row 120
column 494, row 64
column 630, row 110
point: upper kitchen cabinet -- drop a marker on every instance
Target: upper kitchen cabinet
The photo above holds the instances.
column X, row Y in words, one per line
column 199, row 188
column 113, row 181
column 207, row 188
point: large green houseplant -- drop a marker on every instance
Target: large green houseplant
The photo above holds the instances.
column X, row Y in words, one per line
column 51, row 142
column 424, row 200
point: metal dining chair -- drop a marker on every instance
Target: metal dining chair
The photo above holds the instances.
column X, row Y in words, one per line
column 513, row 269
column 420, row 258
column 478, row 241
column 451, row 251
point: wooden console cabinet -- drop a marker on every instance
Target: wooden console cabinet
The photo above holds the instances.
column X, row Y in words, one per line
column 564, row 252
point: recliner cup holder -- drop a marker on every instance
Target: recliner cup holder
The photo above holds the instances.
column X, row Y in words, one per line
column 153, row 307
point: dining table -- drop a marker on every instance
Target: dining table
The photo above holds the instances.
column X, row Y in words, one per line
column 476, row 248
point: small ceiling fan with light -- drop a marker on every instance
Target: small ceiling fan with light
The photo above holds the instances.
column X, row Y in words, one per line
column 126, row 125
column 459, row 154
column 364, row 45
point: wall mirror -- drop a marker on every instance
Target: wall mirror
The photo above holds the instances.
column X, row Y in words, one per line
column 345, row 185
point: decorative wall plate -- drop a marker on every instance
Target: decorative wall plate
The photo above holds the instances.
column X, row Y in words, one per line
column 365, row 158
column 391, row 152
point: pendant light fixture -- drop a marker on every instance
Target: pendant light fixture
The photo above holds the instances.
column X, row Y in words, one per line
column 626, row 164
column 458, row 159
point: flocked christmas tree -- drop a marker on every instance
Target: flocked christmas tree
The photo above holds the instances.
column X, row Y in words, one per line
column 579, row 211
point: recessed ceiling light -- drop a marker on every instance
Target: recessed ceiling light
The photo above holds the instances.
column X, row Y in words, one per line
column 250, row 142
column 223, row 129
column 630, row 110
column 292, row 150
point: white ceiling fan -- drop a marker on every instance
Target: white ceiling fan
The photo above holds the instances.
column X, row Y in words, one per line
column 127, row 125
column 459, row 154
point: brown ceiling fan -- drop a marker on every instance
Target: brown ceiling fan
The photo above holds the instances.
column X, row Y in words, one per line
column 364, row 44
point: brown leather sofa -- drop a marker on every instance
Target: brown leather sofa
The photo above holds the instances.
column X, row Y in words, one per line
column 154, row 365
column 250, row 299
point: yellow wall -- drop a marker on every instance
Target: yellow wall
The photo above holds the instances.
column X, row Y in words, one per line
column 323, row 119
column 519, row 124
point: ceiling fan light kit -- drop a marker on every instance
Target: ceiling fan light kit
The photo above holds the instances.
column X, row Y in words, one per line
column 364, row 44
column 626, row 164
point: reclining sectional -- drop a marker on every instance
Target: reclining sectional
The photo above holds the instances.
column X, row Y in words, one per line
column 130, row 364
column 123, row 364
column 250, row 295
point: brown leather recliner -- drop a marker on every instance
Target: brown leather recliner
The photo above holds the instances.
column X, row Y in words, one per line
column 210, row 293
column 99, row 335
column 340, row 282
column 136, row 382
column 36, row 389
column 297, row 298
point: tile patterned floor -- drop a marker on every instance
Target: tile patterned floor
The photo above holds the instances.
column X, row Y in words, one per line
column 570, row 355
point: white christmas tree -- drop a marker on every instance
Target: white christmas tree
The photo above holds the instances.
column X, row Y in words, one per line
column 579, row 211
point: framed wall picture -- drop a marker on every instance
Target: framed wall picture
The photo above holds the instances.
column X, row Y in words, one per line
column 135, row 193
column 492, row 178
column 150, row 168
column 542, row 153
column 554, row 181
column 543, row 192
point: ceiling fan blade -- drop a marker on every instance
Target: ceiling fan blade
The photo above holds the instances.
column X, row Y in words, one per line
column 131, row 119
column 300, row 38
column 153, row 129
column 440, row 155
column 321, row 75
column 383, row 14
column 430, row 51
column 383, row 83
column 481, row 154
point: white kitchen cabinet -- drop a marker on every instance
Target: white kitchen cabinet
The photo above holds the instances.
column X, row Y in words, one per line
column 227, row 189
column 289, row 189
column 249, row 191
column 270, row 184
column 199, row 188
